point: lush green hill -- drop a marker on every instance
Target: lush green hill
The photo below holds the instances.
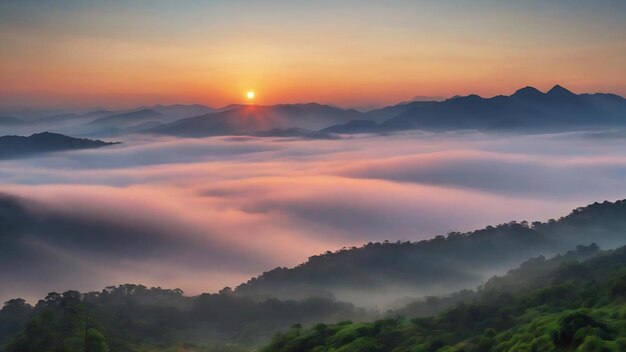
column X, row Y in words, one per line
column 392, row 270
column 568, row 306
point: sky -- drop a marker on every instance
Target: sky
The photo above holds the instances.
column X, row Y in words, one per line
column 201, row 214
column 350, row 53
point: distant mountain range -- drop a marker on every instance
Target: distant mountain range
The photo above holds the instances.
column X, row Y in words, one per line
column 526, row 110
column 253, row 119
column 18, row 146
column 117, row 123
column 100, row 122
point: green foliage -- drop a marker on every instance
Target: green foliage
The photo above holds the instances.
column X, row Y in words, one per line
column 456, row 260
column 542, row 315
column 96, row 342
column 131, row 318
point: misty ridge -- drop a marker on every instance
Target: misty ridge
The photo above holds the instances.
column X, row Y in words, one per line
column 528, row 110
column 388, row 271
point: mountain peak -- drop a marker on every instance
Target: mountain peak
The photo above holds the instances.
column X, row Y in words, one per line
column 558, row 90
column 527, row 92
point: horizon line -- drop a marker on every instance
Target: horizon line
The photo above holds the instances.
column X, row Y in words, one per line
column 361, row 108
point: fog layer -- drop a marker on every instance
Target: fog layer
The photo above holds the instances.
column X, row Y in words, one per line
column 200, row 214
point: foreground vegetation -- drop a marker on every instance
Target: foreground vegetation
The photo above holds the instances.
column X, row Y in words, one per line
column 564, row 303
column 136, row 318
column 571, row 306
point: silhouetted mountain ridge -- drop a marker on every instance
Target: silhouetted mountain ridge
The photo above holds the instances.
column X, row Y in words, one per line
column 526, row 110
column 252, row 119
column 18, row 146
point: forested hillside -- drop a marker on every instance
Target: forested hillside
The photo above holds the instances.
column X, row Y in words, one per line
column 572, row 307
column 390, row 270
column 137, row 318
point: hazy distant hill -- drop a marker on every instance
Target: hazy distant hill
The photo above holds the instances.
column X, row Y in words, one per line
column 118, row 123
column 251, row 119
column 125, row 119
column 9, row 120
column 443, row 264
column 102, row 122
column 18, row 146
column 527, row 109
column 181, row 110
column 100, row 113
column 57, row 118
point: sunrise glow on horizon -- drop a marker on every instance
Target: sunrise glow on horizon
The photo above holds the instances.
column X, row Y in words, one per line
column 348, row 54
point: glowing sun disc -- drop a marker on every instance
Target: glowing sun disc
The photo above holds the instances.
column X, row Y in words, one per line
column 250, row 95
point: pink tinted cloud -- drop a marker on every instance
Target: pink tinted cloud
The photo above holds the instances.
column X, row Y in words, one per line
column 203, row 213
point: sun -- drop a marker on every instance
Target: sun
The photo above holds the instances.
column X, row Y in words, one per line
column 250, row 95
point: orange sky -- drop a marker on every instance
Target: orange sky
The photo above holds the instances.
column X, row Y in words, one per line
column 347, row 53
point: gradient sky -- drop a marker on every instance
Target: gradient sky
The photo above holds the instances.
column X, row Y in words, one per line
column 350, row 53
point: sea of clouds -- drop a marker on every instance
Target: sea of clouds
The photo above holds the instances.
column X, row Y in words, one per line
column 201, row 214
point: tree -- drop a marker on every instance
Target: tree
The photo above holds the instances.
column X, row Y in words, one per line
column 95, row 342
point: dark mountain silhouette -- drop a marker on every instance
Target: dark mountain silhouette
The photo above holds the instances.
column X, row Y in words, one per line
column 442, row 264
column 386, row 113
column 251, row 119
column 526, row 110
column 527, row 93
column 18, row 146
